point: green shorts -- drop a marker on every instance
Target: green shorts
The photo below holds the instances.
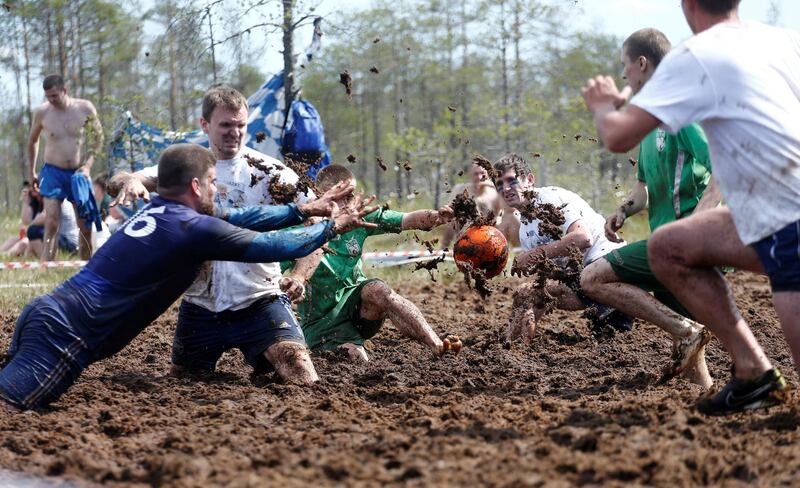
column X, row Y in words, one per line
column 343, row 324
column 631, row 266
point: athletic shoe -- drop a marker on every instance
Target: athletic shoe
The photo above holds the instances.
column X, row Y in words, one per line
column 685, row 349
column 620, row 322
column 739, row 395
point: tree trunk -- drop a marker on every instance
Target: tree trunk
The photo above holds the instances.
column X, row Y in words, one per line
column 26, row 54
column 504, row 74
column 463, row 106
column 79, row 37
column 101, row 69
column 50, row 49
column 173, row 82
column 62, row 47
column 288, row 55
column 518, row 84
column 211, row 37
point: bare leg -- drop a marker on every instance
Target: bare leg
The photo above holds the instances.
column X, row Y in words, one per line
column 9, row 243
column 292, row 362
column 36, row 248
column 601, row 284
column 84, row 237
column 52, row 219
column 683, row 255
column 787, row 305
column 378, row 301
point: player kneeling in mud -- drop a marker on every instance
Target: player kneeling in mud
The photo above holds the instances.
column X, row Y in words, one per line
column 342, row 307
column 146, row 265
column 559, row 225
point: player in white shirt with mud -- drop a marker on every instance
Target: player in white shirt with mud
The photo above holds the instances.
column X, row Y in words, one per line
column 576, row 226
column 741, row 81
column 237, row 305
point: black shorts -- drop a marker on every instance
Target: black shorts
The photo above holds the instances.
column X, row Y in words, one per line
column 780, row 256
column 201, row 336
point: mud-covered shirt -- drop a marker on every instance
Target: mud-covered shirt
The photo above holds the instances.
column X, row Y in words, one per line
column 225, row 285
column 146, row 265
column 574, row 209
column 342, row 268
column 676, row 169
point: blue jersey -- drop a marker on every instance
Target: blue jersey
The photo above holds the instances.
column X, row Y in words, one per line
column 148, row 263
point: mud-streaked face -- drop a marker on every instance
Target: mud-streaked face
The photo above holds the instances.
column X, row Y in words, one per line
column 226, row 131
column 512, row 188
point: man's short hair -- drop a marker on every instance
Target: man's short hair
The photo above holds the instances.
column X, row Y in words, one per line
column 53, row 81
column 650, row 43
column 718, row 7
column 333, row 174
column 512, row 161
column 223, row 96
column 179, row 164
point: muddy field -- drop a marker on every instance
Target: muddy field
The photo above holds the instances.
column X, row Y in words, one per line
column 571, row 410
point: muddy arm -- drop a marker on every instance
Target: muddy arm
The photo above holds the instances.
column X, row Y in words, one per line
column 578, row 235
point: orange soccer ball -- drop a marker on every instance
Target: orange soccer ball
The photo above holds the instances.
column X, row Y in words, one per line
column 483, row 247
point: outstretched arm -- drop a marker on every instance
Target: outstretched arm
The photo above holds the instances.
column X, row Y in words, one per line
column 578, row 235
column 427, row 219
column 620, row 130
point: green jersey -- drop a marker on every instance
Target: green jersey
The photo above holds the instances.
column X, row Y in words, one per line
column 341, row 269
column 676, row 169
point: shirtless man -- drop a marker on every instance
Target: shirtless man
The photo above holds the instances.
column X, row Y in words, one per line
column 63, row 120
column 482, row 190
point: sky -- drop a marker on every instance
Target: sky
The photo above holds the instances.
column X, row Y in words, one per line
column 619, row 17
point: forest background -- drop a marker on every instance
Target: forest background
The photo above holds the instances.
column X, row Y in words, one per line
column 434, row 82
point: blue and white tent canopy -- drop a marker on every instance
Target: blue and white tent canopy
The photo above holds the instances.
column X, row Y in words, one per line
column 136, row 145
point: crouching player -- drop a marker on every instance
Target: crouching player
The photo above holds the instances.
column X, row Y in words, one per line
column 145, row 267
column 574, row 225
column 342, row 307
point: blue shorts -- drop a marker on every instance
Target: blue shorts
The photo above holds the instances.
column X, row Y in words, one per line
column 780, row 256
column 201, row 336
column 56, row 183
column 36, row 232
column 45, row 358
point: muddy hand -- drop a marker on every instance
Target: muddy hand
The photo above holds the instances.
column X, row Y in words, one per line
column 131, row 190
column 613, row 224
column 351, row 216
column 451, row 344
column 321, row 207
column 293, row 288
column 446, row 214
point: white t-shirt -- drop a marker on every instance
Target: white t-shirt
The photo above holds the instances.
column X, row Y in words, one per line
column 741, row 81
column 228, row 285
column 68, row 225
column 574, row 208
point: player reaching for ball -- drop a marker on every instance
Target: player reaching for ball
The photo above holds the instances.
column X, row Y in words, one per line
column 342, row 307
column 146, row 266
column 555, row 222
column 673, row 182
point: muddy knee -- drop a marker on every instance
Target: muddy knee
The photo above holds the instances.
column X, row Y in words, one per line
column 292, row 361
column 374, row 298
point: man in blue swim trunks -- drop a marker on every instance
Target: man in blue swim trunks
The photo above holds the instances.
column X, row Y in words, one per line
column 97, row 312
column 67, row 123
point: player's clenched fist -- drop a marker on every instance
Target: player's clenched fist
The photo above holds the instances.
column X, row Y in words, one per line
column 602, row 91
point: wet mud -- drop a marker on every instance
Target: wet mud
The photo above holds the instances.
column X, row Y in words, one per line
column 570, row 410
